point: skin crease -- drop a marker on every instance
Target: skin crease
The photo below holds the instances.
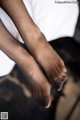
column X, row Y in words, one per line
column 35, row 42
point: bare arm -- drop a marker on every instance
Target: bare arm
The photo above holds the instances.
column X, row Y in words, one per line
column 35, row 41
column 39, row 85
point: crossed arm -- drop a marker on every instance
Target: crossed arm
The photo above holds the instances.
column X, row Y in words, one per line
column 30, row 61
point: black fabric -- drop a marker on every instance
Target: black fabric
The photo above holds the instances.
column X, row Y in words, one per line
column 21, row 107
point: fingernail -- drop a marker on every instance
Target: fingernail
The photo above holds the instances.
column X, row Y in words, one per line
column 61, row 85
column 47, row 104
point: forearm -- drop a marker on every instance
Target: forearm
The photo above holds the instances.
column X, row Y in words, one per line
column 35, row 41
column 10, row 45
column 25, row 25
column 20, row 16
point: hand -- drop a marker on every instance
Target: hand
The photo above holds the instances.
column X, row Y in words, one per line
column 38, row 83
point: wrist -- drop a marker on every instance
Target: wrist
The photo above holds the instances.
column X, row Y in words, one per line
column 32, row 39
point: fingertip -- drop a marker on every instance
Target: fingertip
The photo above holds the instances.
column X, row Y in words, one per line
column 48, row 105
column 65, row 70
column 61, row 85
column 47, row 102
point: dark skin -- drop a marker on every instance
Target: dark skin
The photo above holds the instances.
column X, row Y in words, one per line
column 30, row 61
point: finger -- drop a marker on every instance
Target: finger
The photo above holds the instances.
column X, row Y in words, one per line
column 47, row 98
column 47, row 101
